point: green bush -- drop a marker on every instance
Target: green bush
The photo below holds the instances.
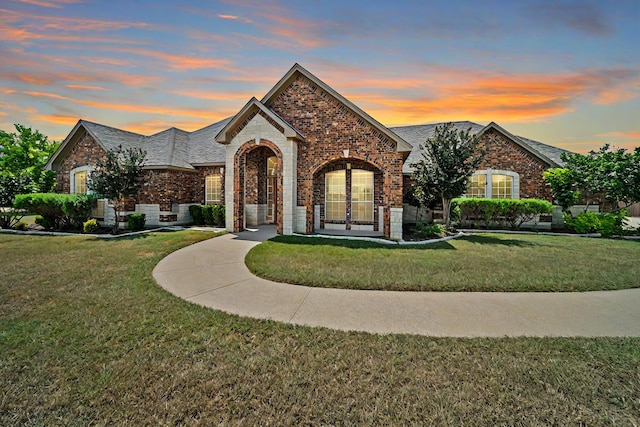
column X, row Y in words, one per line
column 219, row 215
column 196, row 214
column 136, row 221
column 431, row 231
column 607, row 224
column 207, row 212
column 77, row 208
column 58, row 210
column 90, row 226
column 512, row 212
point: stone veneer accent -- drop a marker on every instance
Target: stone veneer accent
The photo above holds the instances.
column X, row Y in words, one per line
column 329, row 128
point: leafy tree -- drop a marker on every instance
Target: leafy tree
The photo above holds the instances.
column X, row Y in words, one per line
column 563, row 186
column 23, row 156
column 118, row 175
column 612, row 174
column 449, row 158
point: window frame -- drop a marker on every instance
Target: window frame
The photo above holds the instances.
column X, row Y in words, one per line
column 72, row 179
column 334, row 200
column 489, row 190
column 369, row 196
column 211, row 187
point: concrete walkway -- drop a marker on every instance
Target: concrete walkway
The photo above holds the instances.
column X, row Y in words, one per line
column 213, row 274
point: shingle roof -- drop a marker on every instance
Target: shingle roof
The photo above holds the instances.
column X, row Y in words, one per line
column 172, row 147
column 418, row 134
column 177, row 148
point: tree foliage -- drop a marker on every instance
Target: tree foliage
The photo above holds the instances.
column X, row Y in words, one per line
column 118, row 175
column 23, row 157
column 449, row 158
column 609, row 174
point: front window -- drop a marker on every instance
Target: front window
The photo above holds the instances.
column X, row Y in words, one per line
column 80, row 182
column 213, row 189
column 477, row 185
column 361, row 195
column 501, row 186
column 335, row 195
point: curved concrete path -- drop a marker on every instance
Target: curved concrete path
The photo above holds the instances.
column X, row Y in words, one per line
column 212, row 273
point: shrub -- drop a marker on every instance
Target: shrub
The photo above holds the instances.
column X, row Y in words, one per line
column 431, row 231
column 585, row 222
column 58, row 210
column 207, row 212
column 90, row 226
column 607, row 224
column 219, row 215
column 77, row 208
column 196, row 214
column 512, row 212
column 136, row 221
column 47, row 205
column 22, row 226
column 9, row 217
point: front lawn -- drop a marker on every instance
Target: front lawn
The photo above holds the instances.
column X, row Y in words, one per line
column 88, row 338
column 479, row 262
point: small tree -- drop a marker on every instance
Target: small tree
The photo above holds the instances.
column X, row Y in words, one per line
column 449, row 158
column 23, row 157
column 563, row 186
column 117, row 176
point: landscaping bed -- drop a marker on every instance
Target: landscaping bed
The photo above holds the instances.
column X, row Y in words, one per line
column 480, row 262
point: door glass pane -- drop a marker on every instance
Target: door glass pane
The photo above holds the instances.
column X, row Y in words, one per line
column 361, row 195
column 335, row 195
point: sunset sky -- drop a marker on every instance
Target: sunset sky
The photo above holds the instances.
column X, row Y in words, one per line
column 563, row 73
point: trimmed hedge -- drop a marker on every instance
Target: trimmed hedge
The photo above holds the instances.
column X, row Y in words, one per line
column 58, row 210
column 136, row 221
column 211, row 215
column 472, row 212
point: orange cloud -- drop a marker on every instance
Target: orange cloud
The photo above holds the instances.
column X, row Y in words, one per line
column 53, row 3
column 87, row 87
column 57, row 119
column 630, row 134
column 177, row 62
column 215, row 96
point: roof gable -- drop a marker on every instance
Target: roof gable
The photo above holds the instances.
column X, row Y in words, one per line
column 291, row 75
column 253, row 107
column 519, row 142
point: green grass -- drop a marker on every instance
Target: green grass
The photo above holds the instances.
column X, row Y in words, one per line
column 480, row 262
column 88, row 338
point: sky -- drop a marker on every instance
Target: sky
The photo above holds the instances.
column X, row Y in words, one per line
column 566, row 73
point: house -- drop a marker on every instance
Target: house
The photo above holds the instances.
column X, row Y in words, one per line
column 303, row 157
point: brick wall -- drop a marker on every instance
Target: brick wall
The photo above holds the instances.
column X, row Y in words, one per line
column 83, row 153
column 329, row 128
column 501, row 153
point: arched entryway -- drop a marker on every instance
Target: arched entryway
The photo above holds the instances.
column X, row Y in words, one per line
column 257, row 185
column 348, row 196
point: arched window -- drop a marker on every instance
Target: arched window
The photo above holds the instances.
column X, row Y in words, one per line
column 494, row 184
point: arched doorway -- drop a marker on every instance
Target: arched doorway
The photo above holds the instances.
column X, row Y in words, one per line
column 257, row 185
column 348, row 196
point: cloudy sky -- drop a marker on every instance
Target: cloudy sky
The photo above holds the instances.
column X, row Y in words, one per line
column 566, row 73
